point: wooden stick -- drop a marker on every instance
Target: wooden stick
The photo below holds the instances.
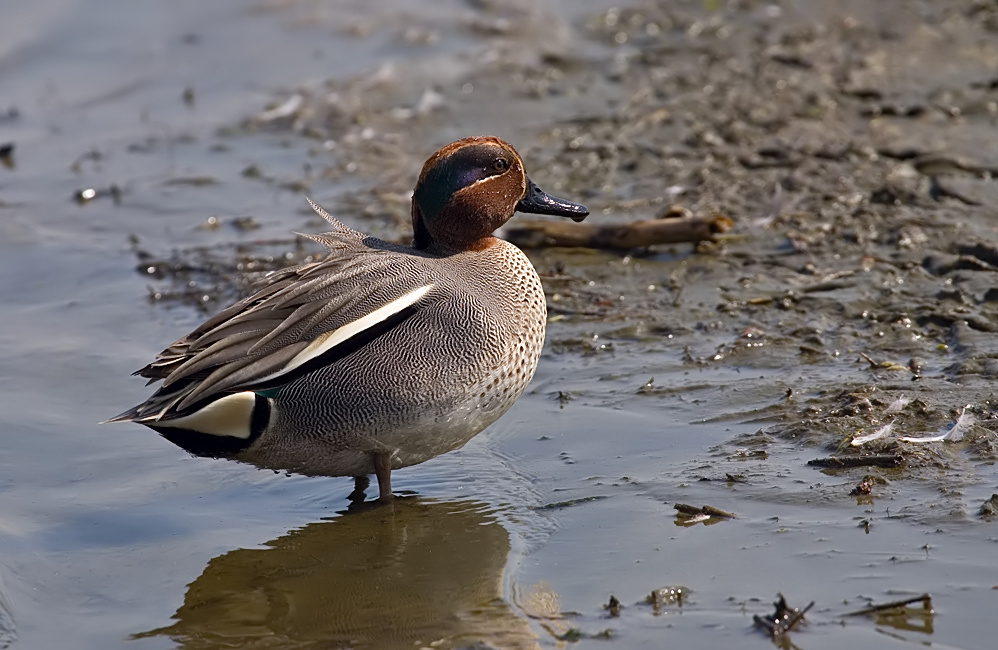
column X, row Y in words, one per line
column 636, row 234
column 925, row 599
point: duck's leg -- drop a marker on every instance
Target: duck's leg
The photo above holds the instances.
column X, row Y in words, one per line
column 383, row 470
column 360, row 484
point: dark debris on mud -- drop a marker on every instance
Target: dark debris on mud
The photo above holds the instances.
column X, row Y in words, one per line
column 209, row 277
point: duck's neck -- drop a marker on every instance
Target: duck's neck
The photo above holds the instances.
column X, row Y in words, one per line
column 453, row 236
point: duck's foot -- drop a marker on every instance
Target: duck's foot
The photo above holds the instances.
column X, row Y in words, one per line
column 383, row 470
column 359, row 493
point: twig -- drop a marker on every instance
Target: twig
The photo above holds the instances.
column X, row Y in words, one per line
column 636, row 234
column 925, row 599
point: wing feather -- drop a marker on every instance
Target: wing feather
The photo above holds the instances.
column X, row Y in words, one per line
column 234, row 373
column 289, row 326
column 230, row 349
column 259, row 339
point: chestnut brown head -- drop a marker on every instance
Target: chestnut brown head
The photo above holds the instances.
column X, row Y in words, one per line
column 473, row 186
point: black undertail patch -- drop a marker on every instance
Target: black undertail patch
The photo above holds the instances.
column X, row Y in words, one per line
column 212, row 446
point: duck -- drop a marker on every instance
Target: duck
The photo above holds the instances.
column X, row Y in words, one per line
column 379, row 355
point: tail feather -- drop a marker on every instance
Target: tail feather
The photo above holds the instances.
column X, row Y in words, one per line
column 159, row 404
column 128, row 416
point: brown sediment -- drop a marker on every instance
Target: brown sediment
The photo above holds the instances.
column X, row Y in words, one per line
column 875, row 460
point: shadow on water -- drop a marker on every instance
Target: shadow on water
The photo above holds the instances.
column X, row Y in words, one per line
column 416, row 573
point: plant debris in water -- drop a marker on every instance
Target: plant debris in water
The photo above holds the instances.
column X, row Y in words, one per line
column 694, row 514
column 924, row 599
column 613, row 607
column 899, row 615
column 666, row 597
column 864, row 487
column 783, row 619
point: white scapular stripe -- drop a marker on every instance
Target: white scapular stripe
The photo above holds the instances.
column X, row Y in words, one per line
column 330, row 340
column 230, row 416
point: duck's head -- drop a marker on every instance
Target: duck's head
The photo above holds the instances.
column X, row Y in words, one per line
column 471, row 187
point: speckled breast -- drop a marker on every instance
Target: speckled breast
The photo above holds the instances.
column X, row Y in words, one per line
column 426, row 387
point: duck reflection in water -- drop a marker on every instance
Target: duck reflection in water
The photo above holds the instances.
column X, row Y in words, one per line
column 420, row 573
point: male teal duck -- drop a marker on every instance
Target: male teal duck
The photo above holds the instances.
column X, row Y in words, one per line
column 379, row 356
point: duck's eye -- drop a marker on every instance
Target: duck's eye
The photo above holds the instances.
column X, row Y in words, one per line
column 500, row 165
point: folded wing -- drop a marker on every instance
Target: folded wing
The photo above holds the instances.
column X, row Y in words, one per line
column 302, row 318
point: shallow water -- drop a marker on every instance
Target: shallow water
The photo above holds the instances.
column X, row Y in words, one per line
column 111, row 537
